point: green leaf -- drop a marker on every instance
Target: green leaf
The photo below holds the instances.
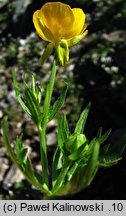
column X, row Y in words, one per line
column 47, row 52
column 36, row 90
column 92, row 165
column 118, row 146
column 72, row 171
column 45, row 110
column 61, row 178
column 19, row 145
column 58, row 104
column 7, row 140
column 113, row 153
column 78, row 153
column 108, row 160
column 83, row 161
column 22, row 156
column 104, row 149
column 18, row 95
column 63, row 131
column 99, row 133
column 29, row 172
column 26, row 169
column 57, row 164
column 33, row 105
column 82, row 120
column 102, row 138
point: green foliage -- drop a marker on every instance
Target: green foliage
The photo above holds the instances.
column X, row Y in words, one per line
column 111, row 154
column 80, row 159
column 32, row 104
column 19, row 96
column 21, row 151
column 21, row 158
column 82, row 120
column 63, row 131
column 76, row 159
column 58, row 104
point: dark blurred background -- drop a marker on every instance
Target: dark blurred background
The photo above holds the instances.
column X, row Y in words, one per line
column 96, row 72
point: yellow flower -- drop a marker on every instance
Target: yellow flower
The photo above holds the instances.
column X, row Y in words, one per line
column 57, row 23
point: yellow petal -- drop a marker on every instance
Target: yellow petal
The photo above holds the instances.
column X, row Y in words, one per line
column 56, row 21
column 79, row 22
column 42, row 30
column 59, row 18
column 36, row 24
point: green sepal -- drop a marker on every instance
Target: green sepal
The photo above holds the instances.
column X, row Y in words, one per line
column 62, row 51
column 82, row 120
column 58, row 104
column 47, row 52
column 77, row 39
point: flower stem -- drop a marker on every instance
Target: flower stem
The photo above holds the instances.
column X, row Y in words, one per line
column 42, row 128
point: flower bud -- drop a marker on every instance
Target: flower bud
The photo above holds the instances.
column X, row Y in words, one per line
column 75, row 141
